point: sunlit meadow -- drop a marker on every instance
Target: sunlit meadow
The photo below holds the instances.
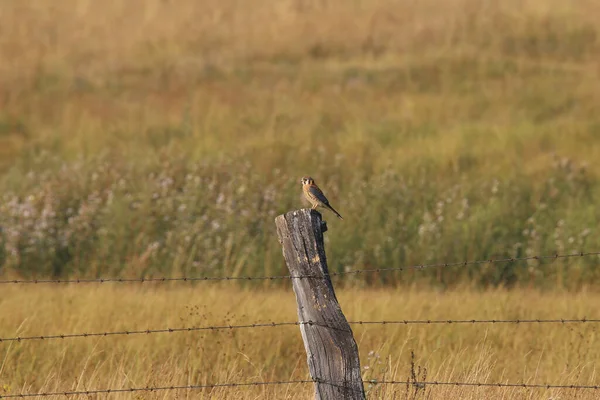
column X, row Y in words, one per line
column 530, row 353
column 150, row 138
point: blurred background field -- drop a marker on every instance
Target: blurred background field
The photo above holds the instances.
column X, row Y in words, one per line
column 153, row 137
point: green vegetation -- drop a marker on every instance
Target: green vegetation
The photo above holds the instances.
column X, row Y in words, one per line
column 144, row 139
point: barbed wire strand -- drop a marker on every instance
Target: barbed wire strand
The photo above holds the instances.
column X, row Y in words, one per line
column 151, row 389
column 150, row 331
column 477, row 321
column 282, row 277
column 423, row 384
column 419, row 384
column 276, row 324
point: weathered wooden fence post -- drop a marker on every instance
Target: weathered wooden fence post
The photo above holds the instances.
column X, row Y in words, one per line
column 330, row 347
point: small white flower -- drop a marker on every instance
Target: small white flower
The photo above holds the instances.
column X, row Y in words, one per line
column 585, row 232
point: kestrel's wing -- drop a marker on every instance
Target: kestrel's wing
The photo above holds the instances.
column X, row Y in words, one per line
column 318, row 194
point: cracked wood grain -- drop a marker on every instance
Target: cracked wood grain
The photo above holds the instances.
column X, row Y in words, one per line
column 331, row 350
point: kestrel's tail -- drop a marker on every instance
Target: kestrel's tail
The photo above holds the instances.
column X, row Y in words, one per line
column 335, row 212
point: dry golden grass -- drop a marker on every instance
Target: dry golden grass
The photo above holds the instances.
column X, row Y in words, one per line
column 531, row 353
column 502, row 84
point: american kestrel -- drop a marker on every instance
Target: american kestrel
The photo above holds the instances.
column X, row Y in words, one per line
column 315, row 195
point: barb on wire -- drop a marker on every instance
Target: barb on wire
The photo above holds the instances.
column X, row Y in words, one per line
column 282, row 277
column 312, row 323
column 249, row 384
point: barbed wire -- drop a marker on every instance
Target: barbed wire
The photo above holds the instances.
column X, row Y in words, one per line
column 283, row 277
column 467, row 263
column 152, row 331
column 151, row 389
column 423, row 384
column 476, row 321
column 419, row 384
column 276, row 324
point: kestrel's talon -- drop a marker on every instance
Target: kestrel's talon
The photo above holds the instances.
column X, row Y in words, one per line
column 315, row 195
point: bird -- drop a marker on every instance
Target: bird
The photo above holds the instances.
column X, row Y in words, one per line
column 315, row 195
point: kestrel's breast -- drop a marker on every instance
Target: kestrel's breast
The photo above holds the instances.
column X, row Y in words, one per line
column 309, row 196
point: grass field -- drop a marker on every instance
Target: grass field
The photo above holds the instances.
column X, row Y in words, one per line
column 155, row 138
column 530, row 353
column 144, row 138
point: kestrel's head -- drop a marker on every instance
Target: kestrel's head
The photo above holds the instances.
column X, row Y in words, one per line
column 307, row 180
